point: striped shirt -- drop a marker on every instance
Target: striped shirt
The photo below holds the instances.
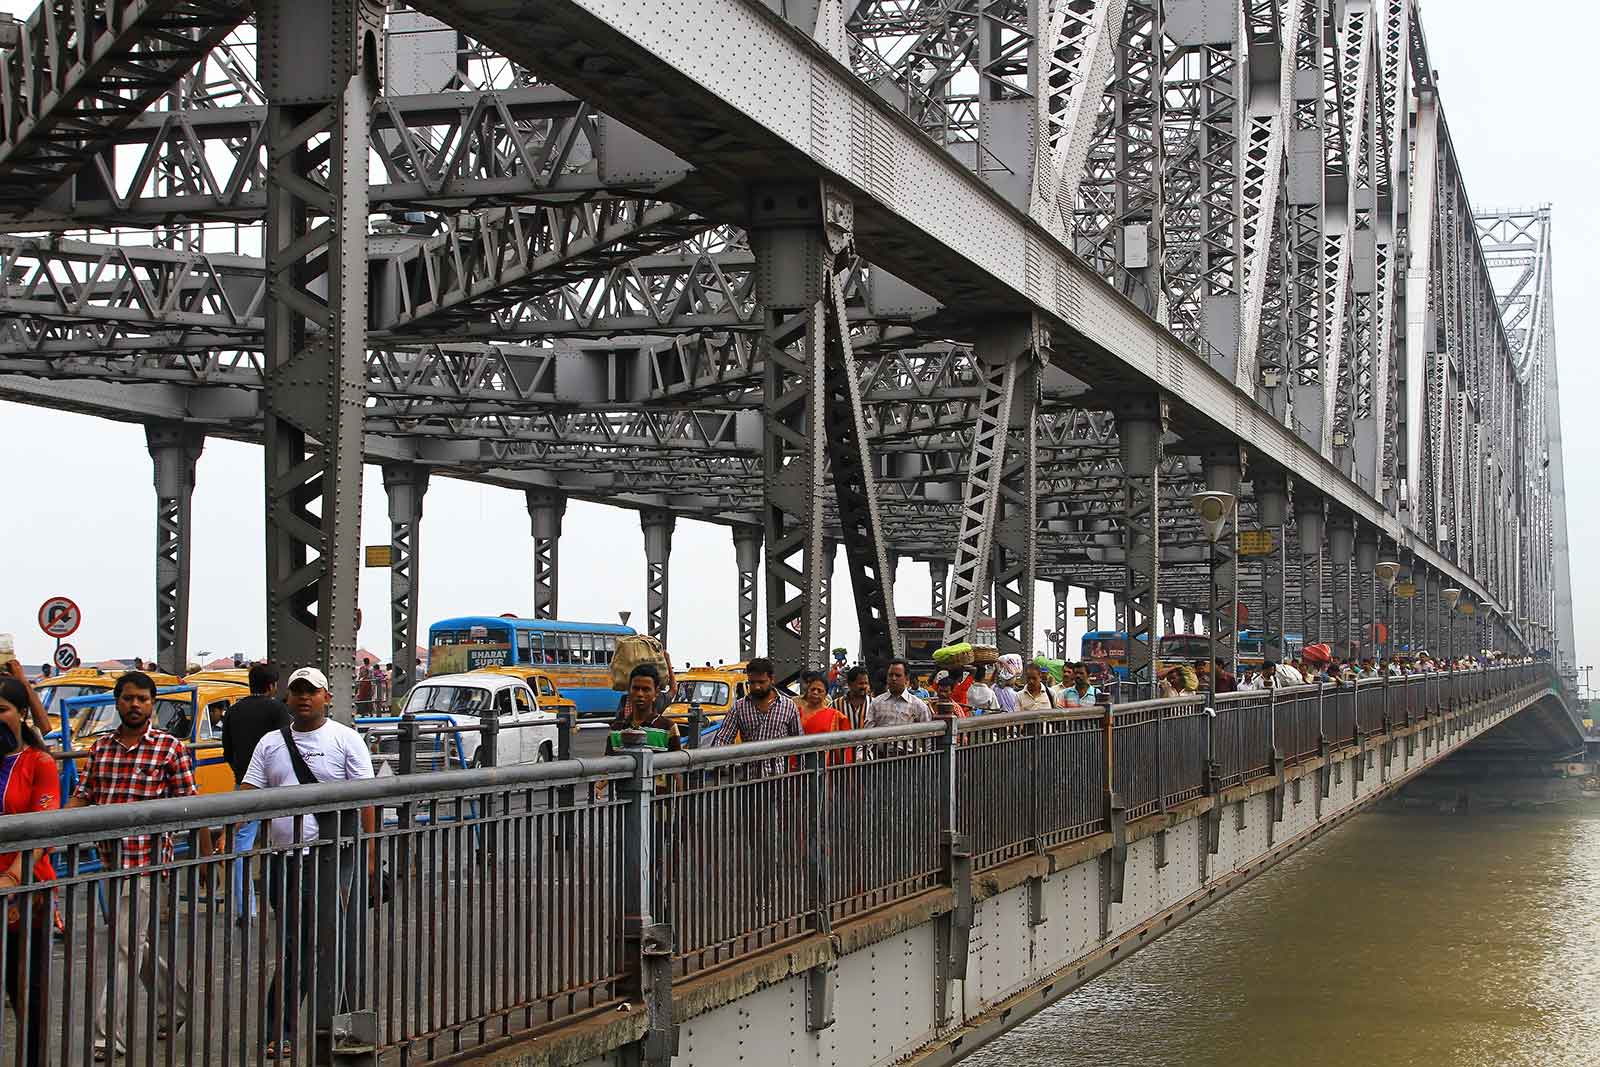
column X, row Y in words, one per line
column 747, row 722
column 856, row 715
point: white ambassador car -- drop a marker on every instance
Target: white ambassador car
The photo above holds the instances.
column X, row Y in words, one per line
column 527, row 735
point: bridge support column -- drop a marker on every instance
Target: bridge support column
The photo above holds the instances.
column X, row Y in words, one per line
column 319, row 106
column 1141, row 420
column 1091, row 610
column 1341, row 549
column 747, row 555
column 658, row 527
column 406, row 484
column 546, row 509
column 1309, row 527
column 939, row 575
column 1224, row 471
column 999, row 500
column 1364, row 588
column 1016, row 531
column 1169, row 619
column 174, row 452
column 1423, row 608
column 1272, row 513
column 1061, row 617
column 803, row 236
column 830, row 554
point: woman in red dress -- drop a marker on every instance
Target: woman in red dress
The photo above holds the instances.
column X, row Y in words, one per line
column 817, row 716
column 29, row 781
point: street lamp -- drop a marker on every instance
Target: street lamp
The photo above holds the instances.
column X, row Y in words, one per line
column 1451, row 596
column 1213, row 507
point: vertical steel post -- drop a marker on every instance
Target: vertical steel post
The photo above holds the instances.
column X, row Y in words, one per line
column 658, row 526
column 824, row 649
column 174, row 453
column 406, row 484
column 321, row 65
column 802, row 234
column 747, row 556
column 546, row 508
column 647, row 942
column 1061, row 616
column 939, row 575
column 1141, row 421
column 1364, row 585
column 1224, row 471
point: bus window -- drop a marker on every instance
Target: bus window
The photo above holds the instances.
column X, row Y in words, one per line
column 608, row 647
column 525, row 646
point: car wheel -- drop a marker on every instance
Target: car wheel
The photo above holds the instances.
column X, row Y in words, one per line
column 546, row 753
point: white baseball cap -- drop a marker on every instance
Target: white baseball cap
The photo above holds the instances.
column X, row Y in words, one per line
column 308, row 674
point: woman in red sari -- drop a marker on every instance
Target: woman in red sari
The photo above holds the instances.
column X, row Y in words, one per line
column 29, row 781
column 817, row 715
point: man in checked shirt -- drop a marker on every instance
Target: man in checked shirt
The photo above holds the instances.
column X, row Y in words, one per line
column 763, row 713
column 137, row 761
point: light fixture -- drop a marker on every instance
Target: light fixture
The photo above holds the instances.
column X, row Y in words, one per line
column 1451, row 595
column 1213, row 507
column 1387, row 572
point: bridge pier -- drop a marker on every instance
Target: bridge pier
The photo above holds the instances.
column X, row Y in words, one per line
column 747, row 557
column 174, row 452
column 1141, row 422
column 1364, row 587
column 406, row 485
column 1341, row 549
column 658, row 526
column 546, row 509
column 1272, row 514
column 1309, row 523
column 319, row 106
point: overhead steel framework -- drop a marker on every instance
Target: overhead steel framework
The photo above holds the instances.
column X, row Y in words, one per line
column 992, row 284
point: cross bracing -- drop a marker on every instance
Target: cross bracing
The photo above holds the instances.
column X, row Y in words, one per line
column 564, row 286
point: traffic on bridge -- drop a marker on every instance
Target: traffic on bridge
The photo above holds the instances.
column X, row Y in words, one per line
column 1163, row 333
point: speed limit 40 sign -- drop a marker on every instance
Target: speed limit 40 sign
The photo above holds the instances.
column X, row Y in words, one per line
column 59, row 617
column 66, row 657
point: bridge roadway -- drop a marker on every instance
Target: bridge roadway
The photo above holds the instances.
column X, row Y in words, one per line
column 774, row 902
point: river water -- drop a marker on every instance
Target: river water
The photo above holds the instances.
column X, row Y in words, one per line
column 1402, row 939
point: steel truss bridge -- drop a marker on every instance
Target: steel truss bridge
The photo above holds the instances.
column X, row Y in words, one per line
column 992, row 284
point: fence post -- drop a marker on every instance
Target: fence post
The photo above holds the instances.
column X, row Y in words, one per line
column 646, row 943
column 1278, row 764
column 1116, row 813
column 489, row 746
column 1324, row 750
column 697, row 725
column 819, row 979
column 1213, row 784
column 955, row 928
column 566, row 723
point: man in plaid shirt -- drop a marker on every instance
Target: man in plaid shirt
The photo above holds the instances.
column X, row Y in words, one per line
column 763, row 713
column 137, row 761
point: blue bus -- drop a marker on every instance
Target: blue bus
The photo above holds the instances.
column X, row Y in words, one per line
column 576, row 655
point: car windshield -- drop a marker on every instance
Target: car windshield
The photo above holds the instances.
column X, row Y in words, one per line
column 174, row 714
column 449, row 700
column 701, row 691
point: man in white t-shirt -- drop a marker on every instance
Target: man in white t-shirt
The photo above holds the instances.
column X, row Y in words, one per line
column 328, row 751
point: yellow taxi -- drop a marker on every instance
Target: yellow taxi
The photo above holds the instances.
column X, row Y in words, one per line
column 713, row 688
column 85, row 682
column 540, row 681
column 229, row 675
column 193, row 713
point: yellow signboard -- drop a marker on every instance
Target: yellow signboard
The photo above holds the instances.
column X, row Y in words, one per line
column 1080, row 612
column 1467, row 608
column 1405, row 590
column 1257, row 543
column 457, row 659
column 380, row 555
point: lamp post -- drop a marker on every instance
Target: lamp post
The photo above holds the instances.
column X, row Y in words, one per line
column 1451, row 596
column 1388, row 573
column 1213, row 507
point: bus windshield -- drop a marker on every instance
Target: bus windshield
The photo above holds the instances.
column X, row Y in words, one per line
column 1185, row 647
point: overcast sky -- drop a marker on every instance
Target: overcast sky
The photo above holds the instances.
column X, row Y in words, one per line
column 81, row 520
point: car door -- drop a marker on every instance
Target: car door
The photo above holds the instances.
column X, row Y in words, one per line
column 509, row 741
column 536, row 727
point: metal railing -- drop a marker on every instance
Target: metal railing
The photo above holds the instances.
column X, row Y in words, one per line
column 498, row 901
